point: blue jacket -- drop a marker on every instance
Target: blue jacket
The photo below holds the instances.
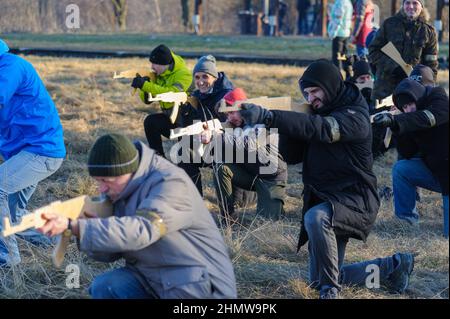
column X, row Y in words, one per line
column 29, row 120
column 340, row 19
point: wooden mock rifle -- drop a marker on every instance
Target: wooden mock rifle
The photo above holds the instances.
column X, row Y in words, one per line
column 131, row 74
column 391, row 51
column 73, row 209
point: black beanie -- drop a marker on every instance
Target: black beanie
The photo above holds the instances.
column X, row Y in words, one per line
column 113, row 155
column 360, row 67
column 161, row 55
column 324, row 74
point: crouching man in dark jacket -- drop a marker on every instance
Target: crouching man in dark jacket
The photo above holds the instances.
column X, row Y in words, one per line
column 423, row 130
column 257, row 165
column 340, row 189
column 160, row 226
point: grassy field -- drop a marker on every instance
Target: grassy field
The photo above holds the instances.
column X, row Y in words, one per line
column 289, row 46
column 90, row 104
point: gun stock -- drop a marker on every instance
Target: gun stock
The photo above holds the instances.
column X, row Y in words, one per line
column 177, row 98
column 391, row 51
column 386, row 102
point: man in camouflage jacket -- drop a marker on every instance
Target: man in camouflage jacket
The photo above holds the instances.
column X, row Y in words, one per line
column 415, row 39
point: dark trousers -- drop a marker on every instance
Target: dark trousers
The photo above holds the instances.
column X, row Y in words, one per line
column 156, row 125
column 270, row 193
column 302, row 23
column 193, row 170
column 339, row 47
column 327, row 251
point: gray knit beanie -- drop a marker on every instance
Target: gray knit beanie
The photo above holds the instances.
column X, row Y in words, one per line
column 207, row 64
column 113, row 155
column 422, row 2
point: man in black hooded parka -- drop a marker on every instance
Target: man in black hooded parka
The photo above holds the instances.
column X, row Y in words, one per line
column 422, row 131
column 340, row 189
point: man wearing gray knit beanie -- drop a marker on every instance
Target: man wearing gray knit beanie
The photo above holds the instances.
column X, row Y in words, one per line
column 207, row 64
column 160, row 226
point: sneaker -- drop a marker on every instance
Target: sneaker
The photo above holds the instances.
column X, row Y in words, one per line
column 412, row 221
column 398, row 281
column 330, row 293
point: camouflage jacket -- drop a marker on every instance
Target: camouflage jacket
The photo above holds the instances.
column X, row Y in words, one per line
column 417, row 43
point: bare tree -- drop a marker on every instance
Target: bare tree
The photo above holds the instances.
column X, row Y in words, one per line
column 157, row 11
column 47, row 15
column 120, row 13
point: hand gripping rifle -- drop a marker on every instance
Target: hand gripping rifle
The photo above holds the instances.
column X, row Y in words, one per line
column 73, row 209
column 131, row 74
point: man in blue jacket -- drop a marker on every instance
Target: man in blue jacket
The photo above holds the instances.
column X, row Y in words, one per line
column 31, row 141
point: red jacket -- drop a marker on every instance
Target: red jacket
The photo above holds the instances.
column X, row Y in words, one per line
column 364, row 13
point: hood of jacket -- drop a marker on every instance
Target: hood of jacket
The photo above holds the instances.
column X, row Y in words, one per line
column 350, row 95
column 324, row 74
column 413, row 89
column 3, row 47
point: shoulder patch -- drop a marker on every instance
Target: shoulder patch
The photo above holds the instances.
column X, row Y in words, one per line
column 335, row 129
column 157, row 222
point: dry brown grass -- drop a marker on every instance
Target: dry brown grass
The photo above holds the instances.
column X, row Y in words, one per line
column 90, row 104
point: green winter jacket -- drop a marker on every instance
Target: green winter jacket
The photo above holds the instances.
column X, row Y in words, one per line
column 177, row 78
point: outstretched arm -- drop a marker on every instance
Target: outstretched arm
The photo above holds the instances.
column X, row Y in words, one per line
column 342, row 126
column 434, row 115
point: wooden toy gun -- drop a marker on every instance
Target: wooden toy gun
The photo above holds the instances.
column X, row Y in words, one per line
column 73, row 209
column 177, row 98
column 131, row 74
column 391, row 51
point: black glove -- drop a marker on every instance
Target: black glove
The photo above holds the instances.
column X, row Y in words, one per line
column 146, row 96
column 255, row 114
column 384, row 120
column 138, row 81
column 399, row 74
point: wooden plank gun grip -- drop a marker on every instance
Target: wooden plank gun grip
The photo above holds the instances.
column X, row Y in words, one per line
column 78, row 206
column 60, row 250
